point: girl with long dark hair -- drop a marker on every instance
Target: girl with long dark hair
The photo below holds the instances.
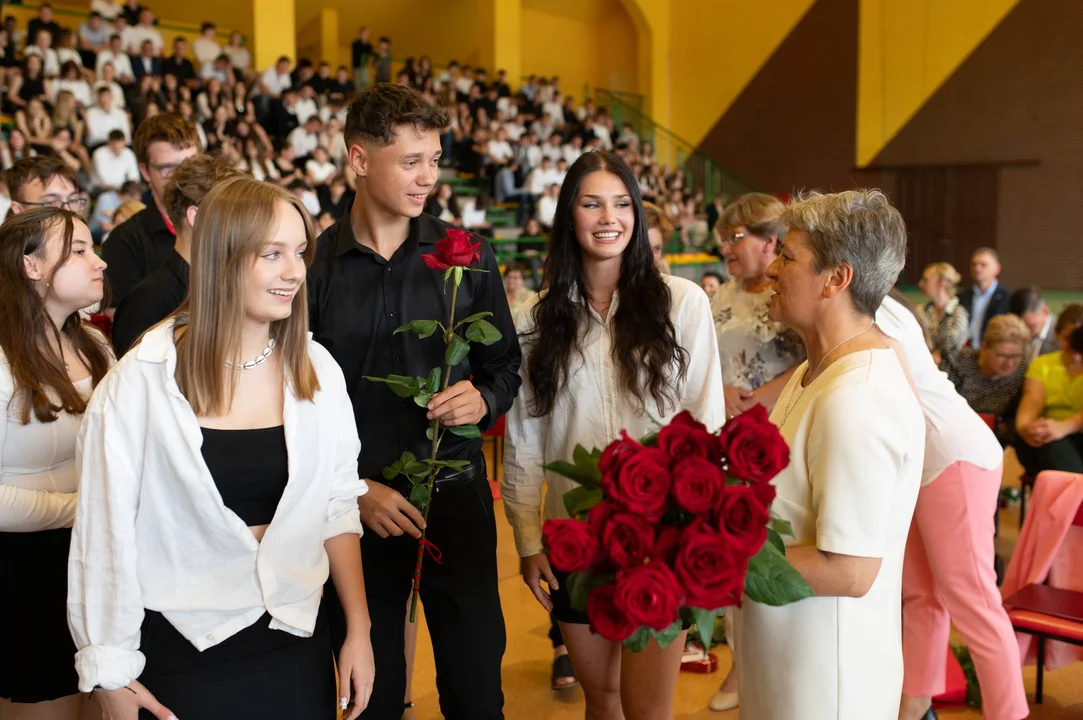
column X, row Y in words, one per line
column 610, row 344
column 51, row 361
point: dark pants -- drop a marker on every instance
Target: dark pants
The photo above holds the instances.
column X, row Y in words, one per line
column 1065, row 454
column 555, row 635
column 461, row 599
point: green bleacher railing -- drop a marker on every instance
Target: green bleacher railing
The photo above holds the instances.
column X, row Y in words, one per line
column 701, row 170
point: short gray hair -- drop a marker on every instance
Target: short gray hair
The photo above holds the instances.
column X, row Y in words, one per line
column 859, row 228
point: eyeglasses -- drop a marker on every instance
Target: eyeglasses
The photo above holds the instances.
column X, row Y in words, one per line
column 75, row 203
column 734, row 238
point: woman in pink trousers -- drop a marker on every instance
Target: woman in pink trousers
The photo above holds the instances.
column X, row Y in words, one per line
column 948, row 570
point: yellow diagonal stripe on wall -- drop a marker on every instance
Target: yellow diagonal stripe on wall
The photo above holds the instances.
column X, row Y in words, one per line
column 906, row 50
column 717, row 48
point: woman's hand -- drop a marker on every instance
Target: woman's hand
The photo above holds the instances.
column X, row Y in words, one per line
column 737, row 401
column 356, row 669
column 1053, row 430
column 124, row 703
column 1036, row 433
column 536, row 568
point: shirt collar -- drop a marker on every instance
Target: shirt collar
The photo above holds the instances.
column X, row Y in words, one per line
column 988, row 293
column 424, row 230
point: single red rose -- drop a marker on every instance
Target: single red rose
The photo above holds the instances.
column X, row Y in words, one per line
column 598, row 517
column 753, row 447
column 642, row 485
column 627, row 539
column 697, row 485
column 570, row 544
column 681, row 441
column 606, row 618
column 453, row 250
column 708, row 569
column 688, row 420
column 666, row 545
column 649, row 595
column 765, row 493
column 743, row 518
column 616, row 453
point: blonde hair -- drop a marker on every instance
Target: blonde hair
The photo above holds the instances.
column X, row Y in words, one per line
column 759, row 213
column 657, row 219
column 947, row 274
column 235, row 219
column 126, row 210
column 1005, row 328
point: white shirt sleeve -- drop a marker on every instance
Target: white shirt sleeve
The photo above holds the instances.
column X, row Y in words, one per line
column 105, row 604
column 24, row 509
column 524, row 454
column 855, row 453
column 343, row 517
column 702, row 390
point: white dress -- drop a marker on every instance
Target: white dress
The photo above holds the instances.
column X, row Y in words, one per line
column 857, row 438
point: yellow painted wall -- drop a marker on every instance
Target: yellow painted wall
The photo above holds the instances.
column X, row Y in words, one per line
column 908, row 48
column 717, row 47
column 600, row 52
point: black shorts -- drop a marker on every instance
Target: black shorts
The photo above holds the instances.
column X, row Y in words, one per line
column 562, row 603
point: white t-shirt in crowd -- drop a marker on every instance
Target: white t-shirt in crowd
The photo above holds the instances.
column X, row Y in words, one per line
column 108, row 9
column 553, row 152
column 304, row 109
column 320, row 172
column 240, row 57
column 100, row 123
column 50, row 62
column 122, row 64
column 64, row 55
column 547, row 210
column 206, row 51
column 135, row 36
column 500, row 150
column 540, row 179
column 118, row 92
column 112, row 171
column 303, row 142
column 857, row 438
column 274, row 82
column 79, row 89
column 514, row 131
column 954, row 432
column 571, row 153
column 591, row 411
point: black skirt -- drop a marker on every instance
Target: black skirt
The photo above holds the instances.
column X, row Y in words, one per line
column 37, row 654
column 257, row 673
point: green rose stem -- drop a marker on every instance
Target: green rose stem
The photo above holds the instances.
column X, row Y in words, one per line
column 437, row 434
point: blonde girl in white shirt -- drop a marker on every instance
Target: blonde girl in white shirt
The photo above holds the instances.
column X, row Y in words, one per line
column 611, row 345
column 219, row 486
column 50, row 363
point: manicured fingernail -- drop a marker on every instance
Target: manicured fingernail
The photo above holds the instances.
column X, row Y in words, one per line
column 171, row 717
column 343, row 703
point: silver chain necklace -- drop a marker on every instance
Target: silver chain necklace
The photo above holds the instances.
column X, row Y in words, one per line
column 258, row 361
column 799, row 391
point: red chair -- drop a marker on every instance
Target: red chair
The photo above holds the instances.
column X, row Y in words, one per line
column 1048, row 613
column 496, row 434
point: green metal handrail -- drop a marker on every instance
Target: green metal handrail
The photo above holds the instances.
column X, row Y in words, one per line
column 701, row 170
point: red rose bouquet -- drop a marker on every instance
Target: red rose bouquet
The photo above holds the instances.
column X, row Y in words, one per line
column 667, row 531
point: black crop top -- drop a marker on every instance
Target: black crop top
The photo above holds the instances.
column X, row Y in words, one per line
column 250, row 469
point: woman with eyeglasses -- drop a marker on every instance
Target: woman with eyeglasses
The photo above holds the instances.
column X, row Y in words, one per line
column 218, row 491
column 50, row 362
column 758, row 355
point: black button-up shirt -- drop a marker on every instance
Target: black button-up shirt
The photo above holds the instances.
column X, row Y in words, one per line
column 136, row 248
column 150, row 302
column 357, row 299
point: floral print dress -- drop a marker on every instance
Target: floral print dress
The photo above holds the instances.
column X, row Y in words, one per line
column 753, row 350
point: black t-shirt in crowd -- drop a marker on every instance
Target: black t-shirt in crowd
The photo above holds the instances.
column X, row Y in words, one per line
column 181, row 68
column 150, row 302
column 136, row 248
column 361, row 50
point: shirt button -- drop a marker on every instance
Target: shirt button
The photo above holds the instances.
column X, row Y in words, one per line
column 388, row 268
column 393, row 313
column 210, row 637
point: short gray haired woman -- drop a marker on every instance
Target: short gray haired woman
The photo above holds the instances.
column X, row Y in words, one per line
column 857, row 438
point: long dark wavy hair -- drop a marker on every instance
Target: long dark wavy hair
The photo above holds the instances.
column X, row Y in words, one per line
column 25, row 325
column 645, row 350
